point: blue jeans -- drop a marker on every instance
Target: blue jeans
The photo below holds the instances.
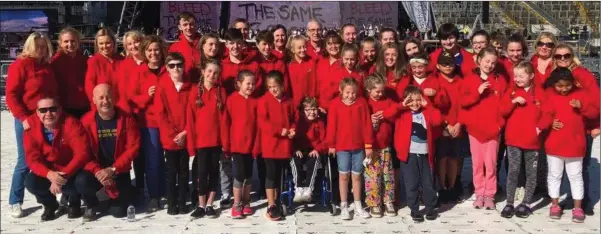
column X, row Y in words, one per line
column 152, row 150
column 17, row 187
column 350, row 161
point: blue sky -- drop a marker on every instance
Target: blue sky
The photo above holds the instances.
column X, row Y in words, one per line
column 28, row 14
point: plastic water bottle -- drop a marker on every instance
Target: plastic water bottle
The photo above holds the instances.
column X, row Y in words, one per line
column 131, row 213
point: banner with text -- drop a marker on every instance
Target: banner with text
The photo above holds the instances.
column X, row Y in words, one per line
column 206, row 13
column 262, row 15
column 374, row 13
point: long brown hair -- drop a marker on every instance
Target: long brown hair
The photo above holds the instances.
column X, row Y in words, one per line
column 200, row 86
column 203, row 40
column 399, row 69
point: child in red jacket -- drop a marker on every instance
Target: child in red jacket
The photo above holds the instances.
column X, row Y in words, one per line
column 268, row 61
column 277, row 119
column 565, row 144
column 480, row 99
column 368, row 54
column 240, row 134
column 348, row 67
column 171, row 103
column 237, row 61
column 309, row 144
column 350, row 145
column 420, row 78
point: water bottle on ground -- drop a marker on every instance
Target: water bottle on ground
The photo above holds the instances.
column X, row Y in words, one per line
column 131, row 213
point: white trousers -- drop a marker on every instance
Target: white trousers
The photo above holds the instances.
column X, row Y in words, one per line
column 573, row 167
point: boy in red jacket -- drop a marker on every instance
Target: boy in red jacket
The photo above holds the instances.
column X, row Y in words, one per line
column 269, row 62
column 237, row 61
column 447, row 36
column 187, row 45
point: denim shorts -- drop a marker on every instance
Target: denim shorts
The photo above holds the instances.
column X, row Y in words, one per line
column 351, row 160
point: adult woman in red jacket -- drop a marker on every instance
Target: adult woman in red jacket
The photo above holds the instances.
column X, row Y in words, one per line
column 102, row 66
column 29, row 78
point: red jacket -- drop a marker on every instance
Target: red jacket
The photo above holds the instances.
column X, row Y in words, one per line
column 310, row 135
column 313, row 54
column 481, row 111
column 451, row 113
column 70, row 73
column 102, row 70
column 279, row 55
column 403, row 121
column 440, row 99
column 522, row 120
column 505, row 68
column 274, row 115
column 229, row 72
column 142, row 103
column 383, row 136
column 240, row 124
column 540, row 78
column 391, row 84
column 586, row 81
column 127, row 143
column 569, row 141
column 170, row 111
column 27, row 82
column 467, row 66
column 68, row 153
column 325, row 81
column 205, row 123
column 302, row 79
column 328, row 94
column 127, row 71
column 367, row 67
column 189, row 50
column 271, row 64
column 349, row 127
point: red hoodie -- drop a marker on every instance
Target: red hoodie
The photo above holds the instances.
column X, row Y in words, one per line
column 273, row 115
column 27, row 82
column 142, row 103
column 349, row 127
column 302, row 79
column 102, row 70
column 127, row 70
column 586, row 81
column 391, row 84
column 481, row 111
column 68, row 153
column 451, row 113
column 505, row 68
column 325, row 81
column 440, row 99
column 280, row 55
column 328, row 94
column 467, row 66
column 313, row 53
column 229, row 72
column 310, row 135
column 170, row 110
column 270, row 64
column 523, row 120
column 240, row 124
column 540, row 78
column 70, row 73
column 569, row 141
column 189, row 50
column 127, row 142
column 205, row 123
column 385, row 130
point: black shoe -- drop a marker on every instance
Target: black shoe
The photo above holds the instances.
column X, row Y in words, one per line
column 273, row 213
column 183, row 209
column 49, row 212
column 507, row 212
column 211, row 213
column 118, row 211
column 172, row 210
column 523, row 211
column 89, row 215
column 417, row 217
column 443, row 196
column 153, row 205
column 61, row 210
column 589, row 211
column 432, row 215
column 73, row 212
column 199, row 212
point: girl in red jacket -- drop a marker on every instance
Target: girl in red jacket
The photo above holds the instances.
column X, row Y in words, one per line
column 268, row 61
column 103, row 66
column 481, row 97
column 277, row 119
column 565, row 144
column 240, row 135
column 390, row 65
column 368, row 54
column 350, row 145
column 420, row 78
column 347, row 67
column 326, row 69
column 300, row 70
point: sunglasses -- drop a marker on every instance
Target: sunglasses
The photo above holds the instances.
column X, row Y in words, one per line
column 548, row 44
column 562, row 56
column 52, row 109
column 173, row 65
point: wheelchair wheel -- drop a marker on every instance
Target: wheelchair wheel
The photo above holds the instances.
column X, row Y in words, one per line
column 333, row 210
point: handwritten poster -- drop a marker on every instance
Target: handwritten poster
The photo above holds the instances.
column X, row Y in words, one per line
column 374, row 13
column 262, row 15
column 206, row 13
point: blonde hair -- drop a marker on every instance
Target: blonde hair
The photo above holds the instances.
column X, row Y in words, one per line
column 575, row 61
column 105, row 32
column 373, row 80
column 69, row 30
column 546, row 35
column 135, row 35
column 289, row 44
column 30, row 47
column 525, row 66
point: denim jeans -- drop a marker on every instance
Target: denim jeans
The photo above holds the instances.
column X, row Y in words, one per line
column 152, row 150
column 17, row 187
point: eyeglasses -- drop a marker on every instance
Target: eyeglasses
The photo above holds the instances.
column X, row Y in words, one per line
column 314, row 30
column 562, row 56
column 52, row 109
column 173, row 65
column 547, row 44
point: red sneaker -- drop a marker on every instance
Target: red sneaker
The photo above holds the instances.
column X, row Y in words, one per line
column 247, row 210
column 555, row 212
column 237, row 212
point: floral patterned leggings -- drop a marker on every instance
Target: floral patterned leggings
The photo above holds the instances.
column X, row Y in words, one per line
column 378, row 171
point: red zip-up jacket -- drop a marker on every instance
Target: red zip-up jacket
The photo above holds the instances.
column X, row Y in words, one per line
column 205, row 123
column 70, row 73
column 367, row 67
column 383, row 136
column 451, row 114
column 240, row 120
column 273, row 115
column 229, row 72
column 27, row 82
column 586, row 81
column 171, row 105
column 505, row 68
column 440, row 99
column 126, row 72
column 270, row 64
column 569, row 141
column 328, row 94
column 127, row 142
column 349, row 127
column 522, row 120
column 302, row 79
column 102, row 70
column 310, row 135
column 540, row 78
column 391, row 85
column 325, row 81
column 142, row 103
column 69, row 151
column 481, row 111
column 467, row 66
column 280, row 55
column 312, row 53
column 189, row 50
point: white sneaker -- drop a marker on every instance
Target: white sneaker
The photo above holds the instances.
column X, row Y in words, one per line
column 307, row 194
column 16, row 211
column 389, row 209
column 360, row 212
column 298, row 194
column 344, row 213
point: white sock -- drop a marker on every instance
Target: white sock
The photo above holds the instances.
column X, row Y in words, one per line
column 358, row 205
column 343, row 204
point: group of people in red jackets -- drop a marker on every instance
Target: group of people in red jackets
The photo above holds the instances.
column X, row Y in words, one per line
column 385, row 109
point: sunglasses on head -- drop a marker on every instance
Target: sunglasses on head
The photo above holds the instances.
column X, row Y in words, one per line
column 173, row 65
column 52, row 109
column 562, row 56
column 548, row 44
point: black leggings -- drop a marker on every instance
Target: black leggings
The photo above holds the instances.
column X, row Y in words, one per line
column 208, row 169
column 177, row 176
column 304, row 178
column 273, row 172
column 243, row 169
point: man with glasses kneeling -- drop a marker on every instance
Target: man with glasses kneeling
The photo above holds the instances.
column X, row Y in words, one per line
column 56, row 149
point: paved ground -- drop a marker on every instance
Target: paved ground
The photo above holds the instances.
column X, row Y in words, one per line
column 458, row 219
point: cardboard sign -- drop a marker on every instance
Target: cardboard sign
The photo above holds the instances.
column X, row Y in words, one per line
column 374, row 13
column 206, row 13
column 262, row 15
